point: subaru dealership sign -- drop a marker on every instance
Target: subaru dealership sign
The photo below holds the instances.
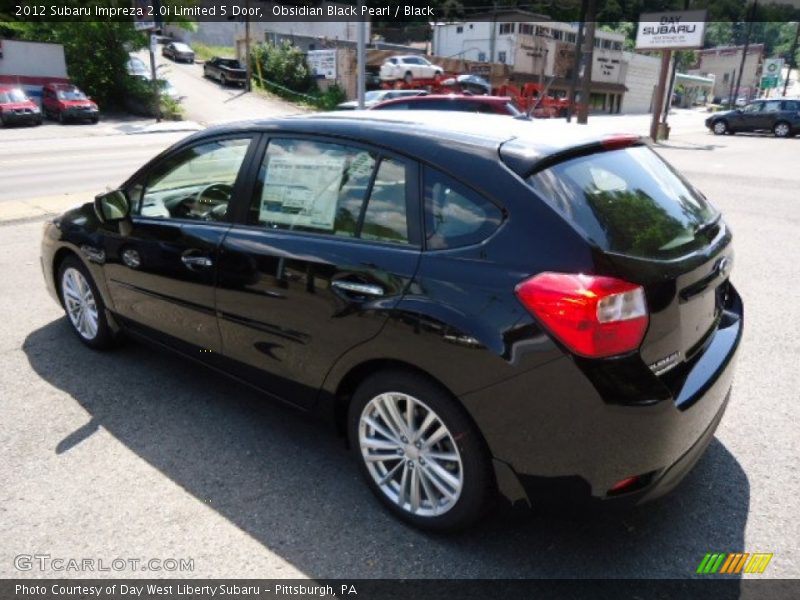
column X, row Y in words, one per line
column 671, row 30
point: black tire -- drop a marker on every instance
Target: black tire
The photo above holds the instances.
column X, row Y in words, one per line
column 104, row 338
column 61, row 118
column 95, row 120
column 478, row 486
column 408, row 78
column 223, row 80
column 782, row 129
column 720, row 127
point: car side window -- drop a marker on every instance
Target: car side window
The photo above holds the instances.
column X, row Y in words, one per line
column 753, row 108
column 196, row 183
column 385, row 216
column 791, row 105
column 332, row 189
column 398, row 106
column 456, row 215
column 772, row 106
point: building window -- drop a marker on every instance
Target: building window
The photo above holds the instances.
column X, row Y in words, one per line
column 481, row 56
column 725, row 77
column 501, row 56
column 460, row 29
column 617, row 46
column 607, row 44
column 572, row 38
column 526, row 28
column 506, row 28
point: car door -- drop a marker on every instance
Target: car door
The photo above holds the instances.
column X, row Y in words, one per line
column 48, row 101
column 161, row 273
column 749, row 118
column 323, row 251
column 769, row 114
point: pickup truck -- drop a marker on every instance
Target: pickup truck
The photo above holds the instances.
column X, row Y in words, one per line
column 225, row 70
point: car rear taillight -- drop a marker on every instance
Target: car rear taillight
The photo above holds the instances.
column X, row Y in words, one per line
column 593, row 316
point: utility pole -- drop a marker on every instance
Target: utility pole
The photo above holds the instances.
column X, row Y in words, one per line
column 361, row 59
column 576, row 69
column 492, row 34
column 744, row 52
column 153, row 73
column 792, row 62
column 247, row 61
column 588, row 54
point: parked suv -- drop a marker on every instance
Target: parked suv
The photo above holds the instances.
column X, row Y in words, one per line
column 17, row 108
column 408, row 68
column 65, row 102
column 478, row 304
column 498, row 105
column 781, row 116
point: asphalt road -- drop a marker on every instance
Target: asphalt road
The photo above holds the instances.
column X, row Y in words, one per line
column 140, row 454
column 209, row 103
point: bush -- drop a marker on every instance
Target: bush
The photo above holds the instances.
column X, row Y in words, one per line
column 285, row 65
column 331, row 97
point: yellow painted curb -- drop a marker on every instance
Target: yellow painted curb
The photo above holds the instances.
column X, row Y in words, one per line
column 15, row 210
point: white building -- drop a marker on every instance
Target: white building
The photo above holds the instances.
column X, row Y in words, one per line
column 538, row 49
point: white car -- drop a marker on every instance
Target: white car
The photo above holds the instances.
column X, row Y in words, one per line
column 408, row 68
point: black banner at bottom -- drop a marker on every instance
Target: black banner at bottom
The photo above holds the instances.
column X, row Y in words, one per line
column 390, row 589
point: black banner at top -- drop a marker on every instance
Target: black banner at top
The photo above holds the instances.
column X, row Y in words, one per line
column 383, row 11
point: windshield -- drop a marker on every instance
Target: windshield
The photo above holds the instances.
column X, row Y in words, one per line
column 74, row 94
column 374, row 95
column 182, row 48
column 229, row 62
column 13, row 96
column 628, row 202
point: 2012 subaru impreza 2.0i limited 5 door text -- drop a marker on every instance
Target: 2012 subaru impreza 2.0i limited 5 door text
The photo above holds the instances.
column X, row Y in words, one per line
column 480, row 305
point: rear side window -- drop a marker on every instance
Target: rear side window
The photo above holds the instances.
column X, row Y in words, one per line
column 627, row 201
column 456, row 215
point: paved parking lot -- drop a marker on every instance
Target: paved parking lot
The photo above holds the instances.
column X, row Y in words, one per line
column 139, row 454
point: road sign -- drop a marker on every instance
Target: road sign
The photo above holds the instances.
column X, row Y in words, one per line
column 671, row 30
column 771, row 72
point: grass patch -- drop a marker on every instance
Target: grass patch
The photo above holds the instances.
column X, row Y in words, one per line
column 205, row 52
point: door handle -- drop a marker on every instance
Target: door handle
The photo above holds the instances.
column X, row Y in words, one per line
column 194, row 261
column 363, row 289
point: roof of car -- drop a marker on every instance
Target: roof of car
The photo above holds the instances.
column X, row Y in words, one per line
column 451, row 97
column 426, row 132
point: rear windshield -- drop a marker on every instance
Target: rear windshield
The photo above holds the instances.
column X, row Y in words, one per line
column 229, row 62
column 628, row 202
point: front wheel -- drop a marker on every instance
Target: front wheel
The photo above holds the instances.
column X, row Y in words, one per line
column 720, row 128
column 419, row 452
column 84, row 305
column 782, row 130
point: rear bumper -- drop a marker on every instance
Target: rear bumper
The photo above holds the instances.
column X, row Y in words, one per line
column 563, row 442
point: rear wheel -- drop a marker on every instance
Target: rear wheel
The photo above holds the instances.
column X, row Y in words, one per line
column 720, row 127
column 782, row 130
column 409, row 77
column 419, row 452
column 83, row 304
column 223, row 80
column 61, row 118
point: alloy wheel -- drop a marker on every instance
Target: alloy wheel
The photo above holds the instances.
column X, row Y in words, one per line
column 720, row 127
column 80, row 303
column 410, row 454
column 781, row 130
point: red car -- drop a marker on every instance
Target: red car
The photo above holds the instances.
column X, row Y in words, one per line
column 16, row 107
column 66, row 102
column 497, row 105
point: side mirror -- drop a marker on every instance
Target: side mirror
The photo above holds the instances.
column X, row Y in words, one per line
column 114, row 208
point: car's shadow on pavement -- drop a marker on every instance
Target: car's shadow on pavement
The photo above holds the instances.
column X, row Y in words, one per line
column 284, row 480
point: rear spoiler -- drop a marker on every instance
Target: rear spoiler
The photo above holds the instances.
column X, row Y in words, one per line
column 525, row 159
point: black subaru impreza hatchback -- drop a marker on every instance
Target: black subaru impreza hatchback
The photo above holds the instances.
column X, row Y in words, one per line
column 479, row 304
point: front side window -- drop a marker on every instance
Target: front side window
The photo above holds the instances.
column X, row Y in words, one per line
column 456, row 215
column 326, row 188
column 194, row 184
column 772, row 106
column 753, row 108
